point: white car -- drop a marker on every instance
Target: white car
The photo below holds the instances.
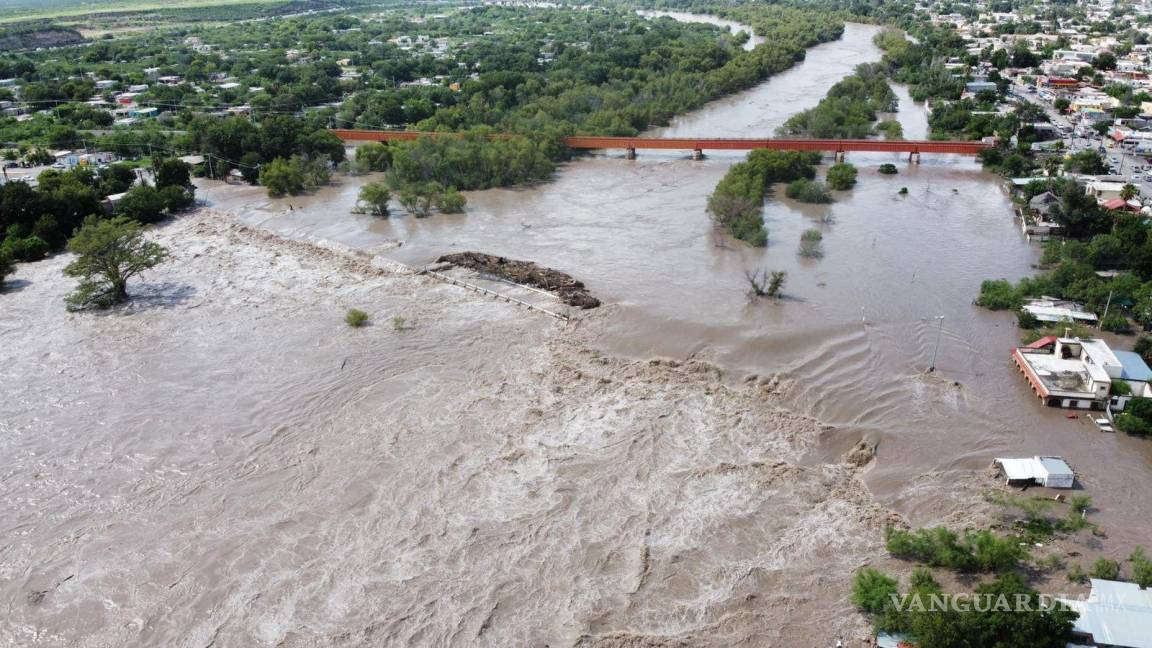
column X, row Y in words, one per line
column 58, row 166
column 1104, row 424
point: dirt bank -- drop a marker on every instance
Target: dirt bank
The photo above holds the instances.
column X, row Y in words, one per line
column 226, row 463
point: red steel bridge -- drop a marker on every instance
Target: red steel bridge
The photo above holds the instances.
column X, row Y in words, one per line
column 698, row 145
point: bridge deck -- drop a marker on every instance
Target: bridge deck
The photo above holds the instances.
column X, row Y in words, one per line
column 687, row 143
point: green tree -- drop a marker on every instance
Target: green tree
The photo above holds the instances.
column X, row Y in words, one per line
column 841, row 176
column 1129, row 191
column 143, row 204
column 377, row 156
column 872, row 591
column 172, row 172
column 374, row 196
column 282, row 178
column 108, row 252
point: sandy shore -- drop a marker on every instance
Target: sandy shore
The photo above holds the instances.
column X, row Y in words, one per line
column 225, row 461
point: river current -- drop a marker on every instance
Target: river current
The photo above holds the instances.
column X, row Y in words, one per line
column 858, row 328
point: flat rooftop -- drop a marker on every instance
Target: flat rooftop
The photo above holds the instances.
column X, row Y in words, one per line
column 1062, row 376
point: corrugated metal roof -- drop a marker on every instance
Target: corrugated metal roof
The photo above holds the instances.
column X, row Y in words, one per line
column 1116, row 614
column 1134, row 366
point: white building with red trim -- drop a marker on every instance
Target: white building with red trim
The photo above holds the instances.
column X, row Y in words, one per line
column 1074, row 373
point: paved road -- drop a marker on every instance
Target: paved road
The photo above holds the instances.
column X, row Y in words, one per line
column 1126, row 162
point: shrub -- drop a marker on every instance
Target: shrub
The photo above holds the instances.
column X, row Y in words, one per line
column 998, row 294
column 1136, row 419
column 891, row 129
column 1076, row 574
column 888, row 169
column 1105, row 569
column 1141, row 568
column 1026, row 320
column 841, row 176
column 28, row 248
column 872, row 591
column 356, row 318
column 941, row 547
column 903, row 191
column 811, row 244
column 1121, row 388
column 6, row 266
column 450, row 201
column 399, row 323
column 808, row 191
column 1115, row 323
column 1143, row 347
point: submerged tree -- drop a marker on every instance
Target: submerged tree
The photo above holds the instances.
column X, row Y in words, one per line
column 108, row 254
column 763, row 283
column 375, row 196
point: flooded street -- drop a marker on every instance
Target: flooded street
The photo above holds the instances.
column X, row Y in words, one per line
column 232, row 466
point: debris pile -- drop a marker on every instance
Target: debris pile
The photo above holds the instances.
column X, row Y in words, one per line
column 526, row 273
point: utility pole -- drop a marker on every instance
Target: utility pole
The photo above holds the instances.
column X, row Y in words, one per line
column 1107, row 305
column 939, row 333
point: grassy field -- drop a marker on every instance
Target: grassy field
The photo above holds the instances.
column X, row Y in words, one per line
column 19, row 10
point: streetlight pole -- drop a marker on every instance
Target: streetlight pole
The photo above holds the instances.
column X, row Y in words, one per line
column 939, row 333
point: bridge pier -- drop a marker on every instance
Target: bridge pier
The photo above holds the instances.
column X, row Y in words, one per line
column 697, row 154
column 630, row 153
column 914, row 157
column 838, row 157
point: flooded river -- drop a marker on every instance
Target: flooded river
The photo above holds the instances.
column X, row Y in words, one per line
column 859, row 327
column 231, row 466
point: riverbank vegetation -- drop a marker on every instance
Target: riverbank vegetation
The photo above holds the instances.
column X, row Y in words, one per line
column 1105, row 262
column 737, row 204
column 841, row 176
column 849, row 109
column 37, row 221
column 538, row 73
column 808, row 191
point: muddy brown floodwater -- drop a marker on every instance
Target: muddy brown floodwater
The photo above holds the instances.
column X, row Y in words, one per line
column 226, row 464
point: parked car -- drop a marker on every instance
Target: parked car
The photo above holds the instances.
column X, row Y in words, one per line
column 58, row 165
column 1104, row 424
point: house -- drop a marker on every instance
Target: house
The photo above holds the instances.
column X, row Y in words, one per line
column 1119, row 204
column 143, row 113
column 1104, row 190
column 1051, row 472
column 1074, row 373
column 1049, row 309
column 976, row 87
column 1115, row 614
column 886, row 640
column 1136, row 373
column 1042, row 203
